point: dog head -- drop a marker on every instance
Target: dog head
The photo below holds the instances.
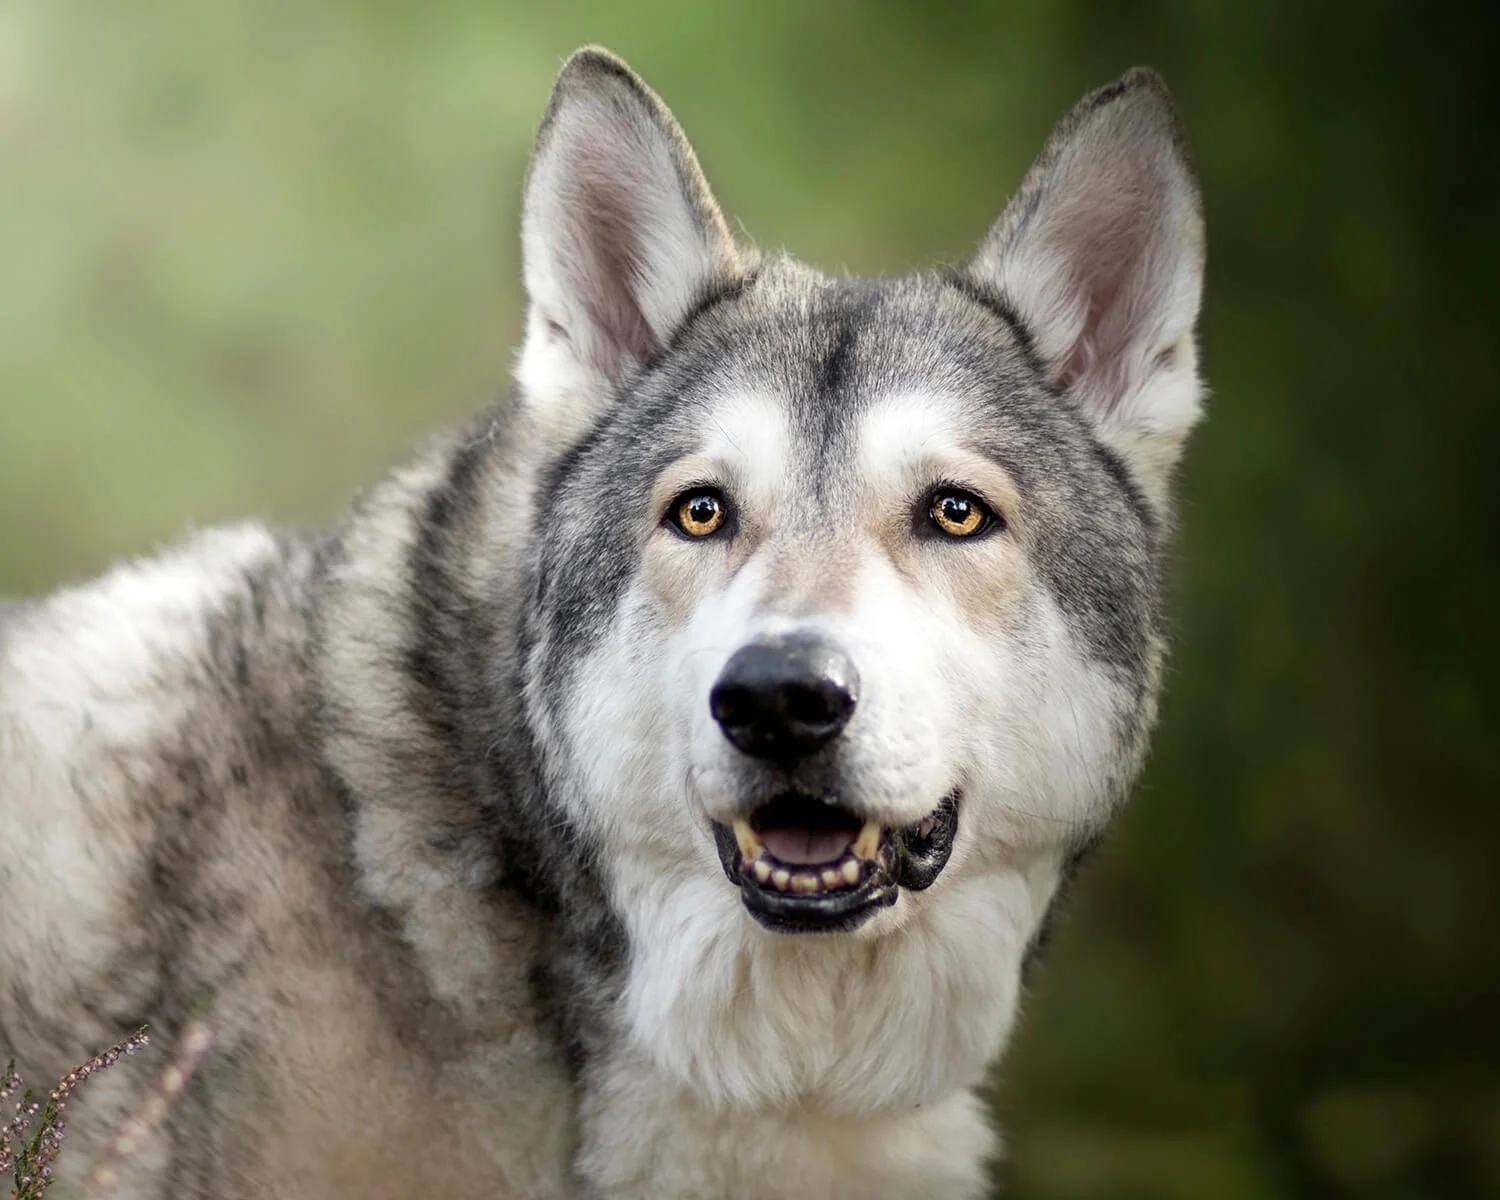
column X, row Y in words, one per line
column 844, row 611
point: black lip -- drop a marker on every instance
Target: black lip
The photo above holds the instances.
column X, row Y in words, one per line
column 921, row 859
column 906, row 859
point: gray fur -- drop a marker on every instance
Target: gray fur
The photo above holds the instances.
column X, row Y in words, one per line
column 326, row 781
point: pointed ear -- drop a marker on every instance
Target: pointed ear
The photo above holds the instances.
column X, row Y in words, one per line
column 620, row 238
column 1100, row 254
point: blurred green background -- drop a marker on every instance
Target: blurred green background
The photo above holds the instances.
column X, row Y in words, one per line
column 249, row 249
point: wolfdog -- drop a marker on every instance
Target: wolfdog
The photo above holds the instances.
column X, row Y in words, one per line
column 655, row 787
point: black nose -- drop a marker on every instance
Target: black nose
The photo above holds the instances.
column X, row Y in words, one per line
column 786, row 697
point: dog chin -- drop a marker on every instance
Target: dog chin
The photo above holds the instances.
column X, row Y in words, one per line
column 808, row 864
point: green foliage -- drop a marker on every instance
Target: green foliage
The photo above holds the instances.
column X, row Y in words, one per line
column 251, row 249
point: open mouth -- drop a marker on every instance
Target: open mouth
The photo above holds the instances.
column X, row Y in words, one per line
column 804, row 863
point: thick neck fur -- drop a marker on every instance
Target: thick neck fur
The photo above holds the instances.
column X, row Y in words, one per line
column 412, row 718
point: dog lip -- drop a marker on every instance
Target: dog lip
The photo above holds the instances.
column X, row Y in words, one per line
column 923, row 849
column 835, row 912
column 841, row 894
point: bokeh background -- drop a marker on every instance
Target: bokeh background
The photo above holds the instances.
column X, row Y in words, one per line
column 249, row 249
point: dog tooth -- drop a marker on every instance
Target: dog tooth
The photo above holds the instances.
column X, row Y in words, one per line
column 750, row 845
column 850, row 871
column 867, row 844
column 781, row 877
column 762, row 870
column 805, row 882
column 831, row 877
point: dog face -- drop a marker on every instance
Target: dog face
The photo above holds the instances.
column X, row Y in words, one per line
column 845, row 615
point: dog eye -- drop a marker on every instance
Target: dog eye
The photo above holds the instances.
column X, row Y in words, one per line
column 960, row 514
column 699, row 513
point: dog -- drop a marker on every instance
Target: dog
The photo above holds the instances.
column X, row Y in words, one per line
column 655, row 787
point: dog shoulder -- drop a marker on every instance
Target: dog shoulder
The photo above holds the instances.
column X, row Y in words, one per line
column 111, row 692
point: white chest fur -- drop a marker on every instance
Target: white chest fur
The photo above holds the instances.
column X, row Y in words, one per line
column 766, row 1065
column 643, row 1137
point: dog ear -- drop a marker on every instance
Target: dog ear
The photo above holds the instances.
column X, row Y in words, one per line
column 620, row 238
column 1100, row 255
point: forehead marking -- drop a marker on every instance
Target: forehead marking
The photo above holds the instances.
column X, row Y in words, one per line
column 750, row 428
column 744, row 448
column 914, row 440
column 898, row 433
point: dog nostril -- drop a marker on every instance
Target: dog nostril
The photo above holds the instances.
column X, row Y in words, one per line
column 731, row 703
column 785, row 698
column 822, row 704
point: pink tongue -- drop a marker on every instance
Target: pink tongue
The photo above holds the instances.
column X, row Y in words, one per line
column 802, row 846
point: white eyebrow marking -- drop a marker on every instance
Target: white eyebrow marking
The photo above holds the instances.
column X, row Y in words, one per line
column 899, row 435
column 750, row 427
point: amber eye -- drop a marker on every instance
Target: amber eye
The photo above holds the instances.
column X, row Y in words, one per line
column 959, row 514
column 699, row 513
